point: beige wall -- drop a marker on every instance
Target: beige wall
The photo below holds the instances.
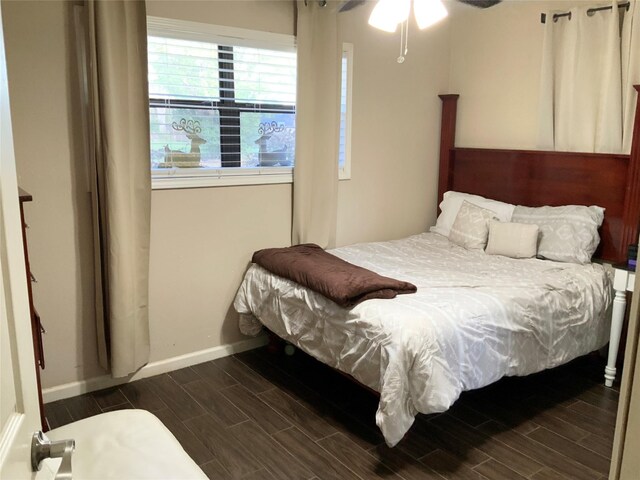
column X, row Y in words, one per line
column 51, row 167
column 201, row 243
column 202, row 239
column 276, row 16
column 395, row 131
column 495, row 67
column 496, row 57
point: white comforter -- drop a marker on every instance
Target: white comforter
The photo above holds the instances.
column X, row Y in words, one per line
column 474, row 319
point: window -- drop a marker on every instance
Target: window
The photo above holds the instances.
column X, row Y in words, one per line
column 222, row 105
column 344, row 157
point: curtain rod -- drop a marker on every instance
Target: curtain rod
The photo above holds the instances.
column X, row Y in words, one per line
column 591, row 11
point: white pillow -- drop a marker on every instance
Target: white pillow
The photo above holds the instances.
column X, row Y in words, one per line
column 567, row 234
column 515, row 240
column 452, row 201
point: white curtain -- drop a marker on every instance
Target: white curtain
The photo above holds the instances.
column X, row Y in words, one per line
column 315, row 175
column 630, row 69
column 588, row 70
column 121, row 180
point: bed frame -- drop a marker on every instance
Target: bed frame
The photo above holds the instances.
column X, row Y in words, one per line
column 536, row 178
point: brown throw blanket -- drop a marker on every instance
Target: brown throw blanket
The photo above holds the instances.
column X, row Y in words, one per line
column 344, row 283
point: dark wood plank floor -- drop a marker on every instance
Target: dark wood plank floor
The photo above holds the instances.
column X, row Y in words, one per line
column 257, row 415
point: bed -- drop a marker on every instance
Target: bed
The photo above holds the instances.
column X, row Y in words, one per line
column 475, row 317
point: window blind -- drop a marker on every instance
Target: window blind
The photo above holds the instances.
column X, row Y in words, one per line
column 344, row 153
column 343, row 112
column 220, row 105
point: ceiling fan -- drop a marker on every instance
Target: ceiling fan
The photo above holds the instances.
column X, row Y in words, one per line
column 388, row 14
column 351, row 4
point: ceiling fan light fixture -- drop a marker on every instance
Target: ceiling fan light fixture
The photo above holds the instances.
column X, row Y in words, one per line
column 428, row 12
column 387, row 14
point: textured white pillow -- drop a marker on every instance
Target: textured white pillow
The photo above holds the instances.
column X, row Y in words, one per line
column 515, row 240
column 452, row 201
column 567, row 234
column 471, row 226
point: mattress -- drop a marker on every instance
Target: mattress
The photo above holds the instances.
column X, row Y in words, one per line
column 474, row 319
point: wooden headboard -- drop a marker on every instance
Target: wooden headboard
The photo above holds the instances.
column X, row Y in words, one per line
column 536, row 178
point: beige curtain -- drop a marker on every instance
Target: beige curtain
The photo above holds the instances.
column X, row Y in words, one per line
column 119, row 100
column 630, row 69
column 589, row 67
column 315, row 175
column 581, row 82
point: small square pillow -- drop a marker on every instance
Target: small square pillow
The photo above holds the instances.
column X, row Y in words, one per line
column 515, row 240
column 471, row 226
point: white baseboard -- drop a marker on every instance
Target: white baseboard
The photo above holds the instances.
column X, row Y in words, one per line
column 73, row 389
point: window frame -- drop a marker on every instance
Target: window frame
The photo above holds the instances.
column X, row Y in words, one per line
column 224, row 176
column 344, row 173
column 228, row 176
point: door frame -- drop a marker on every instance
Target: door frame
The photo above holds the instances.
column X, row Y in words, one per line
column 17, row 430
column 626, row 443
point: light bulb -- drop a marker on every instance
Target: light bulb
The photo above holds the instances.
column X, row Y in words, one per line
column 428, row 12
column 387, row 14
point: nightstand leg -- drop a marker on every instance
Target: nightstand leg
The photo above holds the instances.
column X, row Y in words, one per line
column 617, row 319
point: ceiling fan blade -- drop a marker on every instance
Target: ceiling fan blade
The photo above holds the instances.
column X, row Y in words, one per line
column 481, row 3
column 350, row 5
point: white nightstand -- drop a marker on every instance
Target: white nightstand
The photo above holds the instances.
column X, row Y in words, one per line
column 623, row 282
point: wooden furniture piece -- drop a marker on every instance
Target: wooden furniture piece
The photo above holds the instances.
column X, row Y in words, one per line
column 623, row 282
column 537, row 178
column 36, row 326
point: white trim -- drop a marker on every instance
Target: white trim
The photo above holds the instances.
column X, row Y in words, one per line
column 345, row 171
column 9, row 435
column 73, row 389
column 170, row 183
column 206, row 32
column 203, row 177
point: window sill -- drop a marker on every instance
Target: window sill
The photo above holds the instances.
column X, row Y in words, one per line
column 175, row 179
